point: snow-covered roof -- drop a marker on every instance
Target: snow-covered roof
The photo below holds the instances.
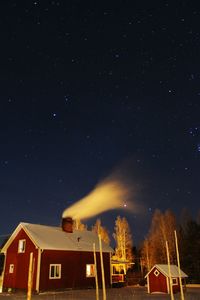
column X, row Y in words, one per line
column 54, row 238
column 165, row 271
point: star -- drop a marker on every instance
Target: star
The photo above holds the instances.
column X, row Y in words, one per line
column 66, row 98
column 84, row 96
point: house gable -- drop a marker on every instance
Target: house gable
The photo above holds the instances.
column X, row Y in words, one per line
column 158, row 281
column 165, row 271
column 13, row 236
column 17, row 261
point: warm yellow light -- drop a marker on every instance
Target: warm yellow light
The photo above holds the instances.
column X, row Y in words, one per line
column 109, row 194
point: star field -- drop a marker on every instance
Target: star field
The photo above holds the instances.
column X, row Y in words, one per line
column 86, row 86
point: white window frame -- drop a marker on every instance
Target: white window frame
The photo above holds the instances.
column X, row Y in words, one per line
column 90, row 270
column 11, row 268
column 57, row 267
column 156, row 273
column 21, row 246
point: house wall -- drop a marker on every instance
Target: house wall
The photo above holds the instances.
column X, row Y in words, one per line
column 73, row 269
column 176, row 288
column 19, row 278
column 157, row 283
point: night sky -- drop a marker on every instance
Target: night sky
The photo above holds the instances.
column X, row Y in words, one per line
column 88, row 87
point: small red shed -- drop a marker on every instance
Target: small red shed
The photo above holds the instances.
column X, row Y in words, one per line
column 60, row 259
column 158, row 279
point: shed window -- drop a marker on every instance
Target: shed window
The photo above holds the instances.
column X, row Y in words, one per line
column 156, row 273
column 21, row 246
column 55, row 271
column 11, row 268
column 174, row 281
column 90, row 270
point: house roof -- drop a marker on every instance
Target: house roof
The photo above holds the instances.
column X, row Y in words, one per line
column 164, row 270
column 54, row 238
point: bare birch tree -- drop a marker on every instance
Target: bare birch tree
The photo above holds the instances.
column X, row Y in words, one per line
column 123, row 239
column 161, row 230
column 78, row 225
column 146, row 255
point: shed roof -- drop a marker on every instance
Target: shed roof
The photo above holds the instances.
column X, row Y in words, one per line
column 163, row 268
column 54, row 238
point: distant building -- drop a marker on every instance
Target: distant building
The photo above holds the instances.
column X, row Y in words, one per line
column 61, row 258
column 158, row 279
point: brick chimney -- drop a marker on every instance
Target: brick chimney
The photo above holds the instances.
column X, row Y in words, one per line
column 67, row 224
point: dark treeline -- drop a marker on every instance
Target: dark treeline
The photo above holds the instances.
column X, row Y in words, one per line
column 190, row 249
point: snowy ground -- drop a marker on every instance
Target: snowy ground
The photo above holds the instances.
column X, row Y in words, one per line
column 126, row 293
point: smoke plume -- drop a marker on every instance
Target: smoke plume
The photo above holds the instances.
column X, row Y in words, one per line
column 109, row 194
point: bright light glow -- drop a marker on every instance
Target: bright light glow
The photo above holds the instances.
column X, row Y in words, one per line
column 107, row 195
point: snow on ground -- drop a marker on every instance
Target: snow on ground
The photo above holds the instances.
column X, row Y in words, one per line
column 126, row 293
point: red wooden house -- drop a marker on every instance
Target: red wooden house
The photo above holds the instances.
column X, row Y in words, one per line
column 61, row 258
column 158, row 279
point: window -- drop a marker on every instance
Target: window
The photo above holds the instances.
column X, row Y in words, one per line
column 55, row 271
column 11, row 268
column 156, row 273
column 90, row 270
column 21, row 246
column 174, row 281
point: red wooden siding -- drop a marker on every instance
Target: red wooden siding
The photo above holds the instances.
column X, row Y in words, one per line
column 19, row 278
column 176, row 288
column 157, row 283
column 73, row 269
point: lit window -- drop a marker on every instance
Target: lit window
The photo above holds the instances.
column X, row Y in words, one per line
column 55, row 271
column 21, row 246
column 11, row 268
column 114, row 270
column 174, row 281
column 90, row 270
